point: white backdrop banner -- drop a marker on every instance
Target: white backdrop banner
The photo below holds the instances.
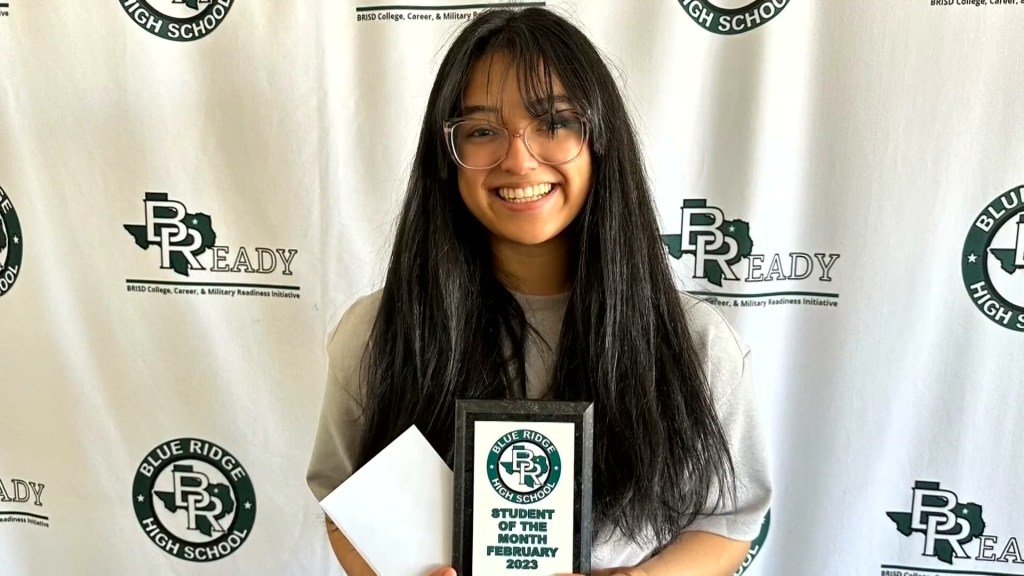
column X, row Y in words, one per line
column 191, row 191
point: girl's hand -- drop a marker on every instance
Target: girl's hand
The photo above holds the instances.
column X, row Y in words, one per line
column 443, row 571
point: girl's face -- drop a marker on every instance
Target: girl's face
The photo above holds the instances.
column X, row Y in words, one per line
column 520, row 200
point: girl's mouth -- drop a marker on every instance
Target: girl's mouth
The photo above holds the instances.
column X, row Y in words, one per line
column 524, row 195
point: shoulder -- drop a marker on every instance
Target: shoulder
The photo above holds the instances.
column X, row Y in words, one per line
column 348, row 339
column 336, row 446
column 720, row 347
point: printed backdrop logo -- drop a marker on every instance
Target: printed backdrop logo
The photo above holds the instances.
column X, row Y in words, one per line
column 951, row 530
column 992, row 262
column 10, row 243
column 194, row 499
column 719, row 20
column 523, row 466
column 186, row 242
column 5, row 9
column 723, row 252
column 26, row 493
column 179, row 20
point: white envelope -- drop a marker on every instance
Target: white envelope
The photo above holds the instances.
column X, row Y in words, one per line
column 397, row 509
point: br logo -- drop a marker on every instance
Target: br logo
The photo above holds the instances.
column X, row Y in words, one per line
column 742, row 16
column 992, row 262
column 524, row 466
column 946, row 523
column 11, row 247
column 717, row 244
column 194, row 500
column 178, row 20
column 180, row 236
column 723, row 248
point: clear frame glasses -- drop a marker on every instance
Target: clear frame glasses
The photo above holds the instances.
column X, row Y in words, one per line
column 553, row 139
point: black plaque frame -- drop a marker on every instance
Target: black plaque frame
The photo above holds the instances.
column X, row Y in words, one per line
column 467, row 414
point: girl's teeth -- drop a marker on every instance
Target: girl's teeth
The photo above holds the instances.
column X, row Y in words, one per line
column 528, row 194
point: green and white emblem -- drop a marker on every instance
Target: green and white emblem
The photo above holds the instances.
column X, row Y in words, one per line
column 992, row 262
column 10, row 244
column 523, row 466
column 177, row 20
column 194, row 499
column 721, row 20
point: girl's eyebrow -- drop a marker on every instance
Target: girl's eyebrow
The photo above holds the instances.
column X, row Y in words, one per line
column 535, row 104
column 471, row 110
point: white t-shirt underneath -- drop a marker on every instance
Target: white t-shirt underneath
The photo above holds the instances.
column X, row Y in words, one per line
column 727, row 365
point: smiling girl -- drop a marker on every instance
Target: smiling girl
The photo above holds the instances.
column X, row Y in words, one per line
column 528, row 264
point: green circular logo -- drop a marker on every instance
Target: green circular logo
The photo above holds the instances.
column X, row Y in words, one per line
column 177, row 20
column 729, row 21
column 11, row 241
column 524, row 466
column 194, row 499
column 992, row 262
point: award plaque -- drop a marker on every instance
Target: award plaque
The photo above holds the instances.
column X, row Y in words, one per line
column 522, row 487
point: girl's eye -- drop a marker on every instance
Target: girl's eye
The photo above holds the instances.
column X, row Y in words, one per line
column 479, row 132
column 558, row 122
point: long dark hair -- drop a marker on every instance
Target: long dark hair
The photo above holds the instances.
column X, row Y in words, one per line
column 447, row 328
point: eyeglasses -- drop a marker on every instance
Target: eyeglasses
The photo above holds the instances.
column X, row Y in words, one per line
column 553, row 139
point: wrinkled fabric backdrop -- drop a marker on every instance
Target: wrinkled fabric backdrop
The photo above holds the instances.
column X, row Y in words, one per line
column 193, row 191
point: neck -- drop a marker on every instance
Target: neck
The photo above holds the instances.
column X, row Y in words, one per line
column 538, row 270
